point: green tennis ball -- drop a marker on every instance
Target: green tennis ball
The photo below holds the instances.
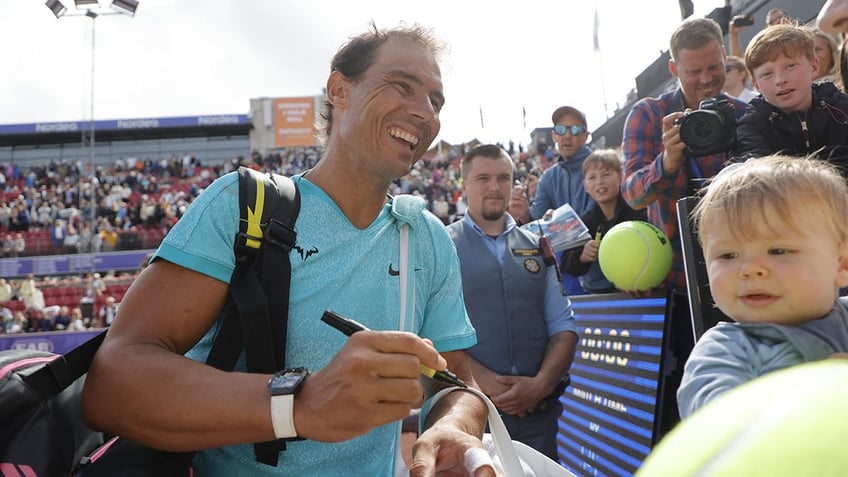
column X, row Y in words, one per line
column 790, row 422
column 635, row 255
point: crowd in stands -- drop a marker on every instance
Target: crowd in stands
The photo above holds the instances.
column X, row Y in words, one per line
column 47, row 209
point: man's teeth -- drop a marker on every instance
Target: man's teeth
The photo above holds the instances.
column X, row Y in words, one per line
column 405, row 136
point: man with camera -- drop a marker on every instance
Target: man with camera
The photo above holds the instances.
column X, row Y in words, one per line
column 674, row 143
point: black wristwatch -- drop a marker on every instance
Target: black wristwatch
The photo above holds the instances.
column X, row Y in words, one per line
column 287, row 381
column 283, row 386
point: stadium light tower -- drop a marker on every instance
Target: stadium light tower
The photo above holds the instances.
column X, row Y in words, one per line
column 92, row 9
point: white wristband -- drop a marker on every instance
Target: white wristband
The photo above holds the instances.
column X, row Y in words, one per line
column 282, row 416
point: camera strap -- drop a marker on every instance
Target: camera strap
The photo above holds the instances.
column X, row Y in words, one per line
column 696, row 177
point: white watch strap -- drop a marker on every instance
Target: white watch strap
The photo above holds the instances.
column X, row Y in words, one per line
column 282, row 416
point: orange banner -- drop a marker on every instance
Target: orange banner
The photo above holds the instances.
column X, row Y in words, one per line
column 294, row 122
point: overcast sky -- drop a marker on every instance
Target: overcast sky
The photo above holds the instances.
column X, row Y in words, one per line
column 197, row 57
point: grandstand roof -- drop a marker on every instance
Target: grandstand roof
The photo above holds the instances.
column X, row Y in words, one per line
column 125, row 129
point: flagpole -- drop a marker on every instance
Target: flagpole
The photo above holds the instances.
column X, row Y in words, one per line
column 597, row 45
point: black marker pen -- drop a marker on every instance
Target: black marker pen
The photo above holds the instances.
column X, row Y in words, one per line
column 349, row 327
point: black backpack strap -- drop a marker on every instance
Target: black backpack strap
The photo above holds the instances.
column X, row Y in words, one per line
column 60, row 373
column 260, row 283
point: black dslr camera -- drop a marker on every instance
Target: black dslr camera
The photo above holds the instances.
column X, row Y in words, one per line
column 710, row 129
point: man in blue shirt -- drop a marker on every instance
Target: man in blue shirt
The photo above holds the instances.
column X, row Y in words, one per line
column 525, row 326
column 384, row 95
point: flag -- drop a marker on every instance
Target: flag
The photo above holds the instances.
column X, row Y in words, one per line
column 481, row 118
column 596, row 41
column 524, row 116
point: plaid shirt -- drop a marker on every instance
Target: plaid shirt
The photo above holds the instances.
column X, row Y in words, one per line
column 645, row 184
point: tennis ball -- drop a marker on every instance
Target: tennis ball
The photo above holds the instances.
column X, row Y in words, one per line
column 790, row 422
column 635, row 255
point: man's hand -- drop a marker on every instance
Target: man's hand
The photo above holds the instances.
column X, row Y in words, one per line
column 519, row 206
column 673, row 146
column 734, row 29
column 373, row 380
column 447, row 447
column 523, row 396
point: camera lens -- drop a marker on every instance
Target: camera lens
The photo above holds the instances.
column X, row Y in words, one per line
column 700, row 129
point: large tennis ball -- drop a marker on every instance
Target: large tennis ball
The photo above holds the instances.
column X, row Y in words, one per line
column 790, row 422
column 635, row 255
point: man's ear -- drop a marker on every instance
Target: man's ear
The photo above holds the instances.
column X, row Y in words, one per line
column 337, row 87
column 842, row 271
column 672, row 68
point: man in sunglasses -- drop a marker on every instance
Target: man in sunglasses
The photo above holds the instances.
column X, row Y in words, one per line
column 658, row 170
column 562, row 183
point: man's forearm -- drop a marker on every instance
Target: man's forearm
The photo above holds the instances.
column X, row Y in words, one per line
column 559, row 354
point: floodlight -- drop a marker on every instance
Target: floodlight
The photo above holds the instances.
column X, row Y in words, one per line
column 56, row 7
column 85, row 3
column 125, row 6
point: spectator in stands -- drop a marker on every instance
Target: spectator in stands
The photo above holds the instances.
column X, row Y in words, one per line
column 108, row 312
column 793, row 116
column 78, row 322
column 602, row 173
column 440, row 208
column 109, row 238
column 5, row 215
column 658, row 170
column 62, row 320
column 826, row 52
column 20, row 216
column 47, row 318
column 19, row 245
column 58, row 235
column 8, row 247
column 5, row 291
column 31, row 295
column 531, row 185
column 20, row 323
column 7, row 317
column 775, row 16
column 526, row 333
column 736, row 80
column 96, row 286
column 384, row 94
column 775, row 238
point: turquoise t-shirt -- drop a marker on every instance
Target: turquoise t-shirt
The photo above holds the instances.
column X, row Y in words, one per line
column 334, row 266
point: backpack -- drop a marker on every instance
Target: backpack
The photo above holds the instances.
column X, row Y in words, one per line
column 43, row 433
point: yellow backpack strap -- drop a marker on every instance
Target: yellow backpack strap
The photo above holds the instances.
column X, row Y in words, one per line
column 252, row 195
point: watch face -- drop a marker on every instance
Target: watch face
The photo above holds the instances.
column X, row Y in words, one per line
column 288, row 381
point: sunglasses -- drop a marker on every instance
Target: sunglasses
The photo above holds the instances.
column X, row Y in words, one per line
column 574, row 129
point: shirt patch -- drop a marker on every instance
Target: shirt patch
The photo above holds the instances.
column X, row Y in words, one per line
column 532, row 265
column 526, row 252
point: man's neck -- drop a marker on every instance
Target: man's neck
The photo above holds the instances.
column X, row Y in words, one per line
column 359, row 195
column 492, row 228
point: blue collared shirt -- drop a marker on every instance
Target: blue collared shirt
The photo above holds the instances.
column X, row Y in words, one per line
column 559, row 316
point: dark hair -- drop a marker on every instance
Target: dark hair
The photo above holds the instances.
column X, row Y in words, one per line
column 357, row 55
column 490, row 151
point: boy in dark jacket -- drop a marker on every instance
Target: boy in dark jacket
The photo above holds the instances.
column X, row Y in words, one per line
column 602, row 173
column 793, row 116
